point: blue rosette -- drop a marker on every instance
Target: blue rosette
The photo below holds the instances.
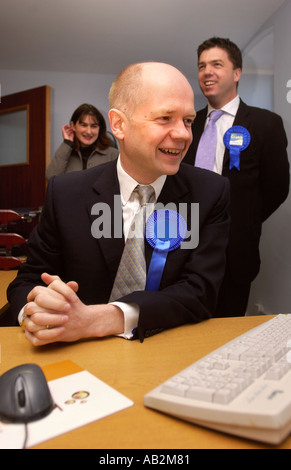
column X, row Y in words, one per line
column 236, row 139
column 165, row 231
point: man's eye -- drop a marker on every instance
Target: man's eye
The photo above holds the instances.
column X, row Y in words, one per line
column 188, row 122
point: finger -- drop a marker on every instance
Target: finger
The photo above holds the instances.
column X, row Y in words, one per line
column 46, row 299
column 51, row 302
column 41, row 320
column 54, row 291
column 37, row 290
column 33, row 339
column 43, row 337
column 67, row 290
column 30, row 308
column 73, row 285
column 38, row 318
column 49, row 278
column 31, row 326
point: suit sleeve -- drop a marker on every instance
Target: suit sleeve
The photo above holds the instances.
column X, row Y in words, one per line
column 44, row 256
column 274, row 174
column 60, row 161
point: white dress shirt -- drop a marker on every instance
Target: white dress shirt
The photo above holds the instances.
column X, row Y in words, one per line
column 222, row 125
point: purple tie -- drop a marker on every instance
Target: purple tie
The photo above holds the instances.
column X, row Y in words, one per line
column 205, row 156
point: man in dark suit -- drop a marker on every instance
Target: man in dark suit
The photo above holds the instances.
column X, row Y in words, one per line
column 70, row 272
column 251, row 153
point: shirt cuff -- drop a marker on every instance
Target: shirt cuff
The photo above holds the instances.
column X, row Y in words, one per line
column 21, row 318
column 131, row 315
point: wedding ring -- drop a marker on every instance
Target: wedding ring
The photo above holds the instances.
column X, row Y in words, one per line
column 47, row 327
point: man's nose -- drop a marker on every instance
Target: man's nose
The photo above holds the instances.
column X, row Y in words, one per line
column 180, row 131
column 208, row 70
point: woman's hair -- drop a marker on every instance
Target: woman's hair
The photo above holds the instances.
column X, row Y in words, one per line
column 103, row 141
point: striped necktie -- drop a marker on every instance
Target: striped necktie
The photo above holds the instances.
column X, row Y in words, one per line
column 131, row 273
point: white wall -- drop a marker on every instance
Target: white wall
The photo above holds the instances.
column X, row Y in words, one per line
column 257, row 90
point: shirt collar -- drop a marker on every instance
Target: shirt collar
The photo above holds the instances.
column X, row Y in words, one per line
column 127, row 184
column 230, row 108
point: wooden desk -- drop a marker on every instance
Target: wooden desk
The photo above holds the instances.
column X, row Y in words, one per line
column 5, row 278
column 134, row 368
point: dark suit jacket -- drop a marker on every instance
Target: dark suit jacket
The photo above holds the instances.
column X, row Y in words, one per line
column 257, row 190
column 63, row 244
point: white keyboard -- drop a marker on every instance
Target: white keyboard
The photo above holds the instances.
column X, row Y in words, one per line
column 242, row 388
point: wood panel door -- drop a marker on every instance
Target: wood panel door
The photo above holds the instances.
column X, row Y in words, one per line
column 22, row 183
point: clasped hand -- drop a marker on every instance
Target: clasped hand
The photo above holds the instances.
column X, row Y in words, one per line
column 55, row 313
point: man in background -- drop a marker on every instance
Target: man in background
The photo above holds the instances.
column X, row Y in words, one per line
column 249, row 148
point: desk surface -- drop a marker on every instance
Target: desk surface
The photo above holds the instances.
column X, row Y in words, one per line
column 5, row 278
column 134, row 368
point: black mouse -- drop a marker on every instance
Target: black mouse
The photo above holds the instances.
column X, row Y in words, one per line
column 24, row 394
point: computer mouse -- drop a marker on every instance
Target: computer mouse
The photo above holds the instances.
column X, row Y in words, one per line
column 24, row 394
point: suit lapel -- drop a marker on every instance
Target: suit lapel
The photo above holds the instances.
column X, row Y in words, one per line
column 174, row 190
column 198, row 128
column 104, row 205
column 241, row 119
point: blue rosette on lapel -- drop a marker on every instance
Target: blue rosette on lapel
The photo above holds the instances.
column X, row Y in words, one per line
column 236, row 139
column 165, row 230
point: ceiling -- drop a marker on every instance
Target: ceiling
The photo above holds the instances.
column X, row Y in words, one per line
column 102, row 36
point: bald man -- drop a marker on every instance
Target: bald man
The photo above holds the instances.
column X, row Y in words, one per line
column 64, row 291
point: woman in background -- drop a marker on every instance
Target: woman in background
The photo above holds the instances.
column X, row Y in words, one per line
column 86, row 143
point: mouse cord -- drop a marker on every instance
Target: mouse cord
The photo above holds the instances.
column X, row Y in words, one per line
column 25, row 436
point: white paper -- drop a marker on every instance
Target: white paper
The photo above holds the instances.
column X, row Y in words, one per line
column 80, row 398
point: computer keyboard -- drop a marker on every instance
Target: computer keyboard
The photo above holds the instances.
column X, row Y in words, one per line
column 242, row 388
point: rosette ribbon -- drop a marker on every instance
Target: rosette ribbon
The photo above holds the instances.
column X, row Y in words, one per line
column 165, row 230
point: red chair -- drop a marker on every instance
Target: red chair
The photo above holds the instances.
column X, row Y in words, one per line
column 7, row 242
column 8, row 215
column 9, row 262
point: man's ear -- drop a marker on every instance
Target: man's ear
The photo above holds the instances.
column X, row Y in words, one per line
column 117, row 123
column 237, row 75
